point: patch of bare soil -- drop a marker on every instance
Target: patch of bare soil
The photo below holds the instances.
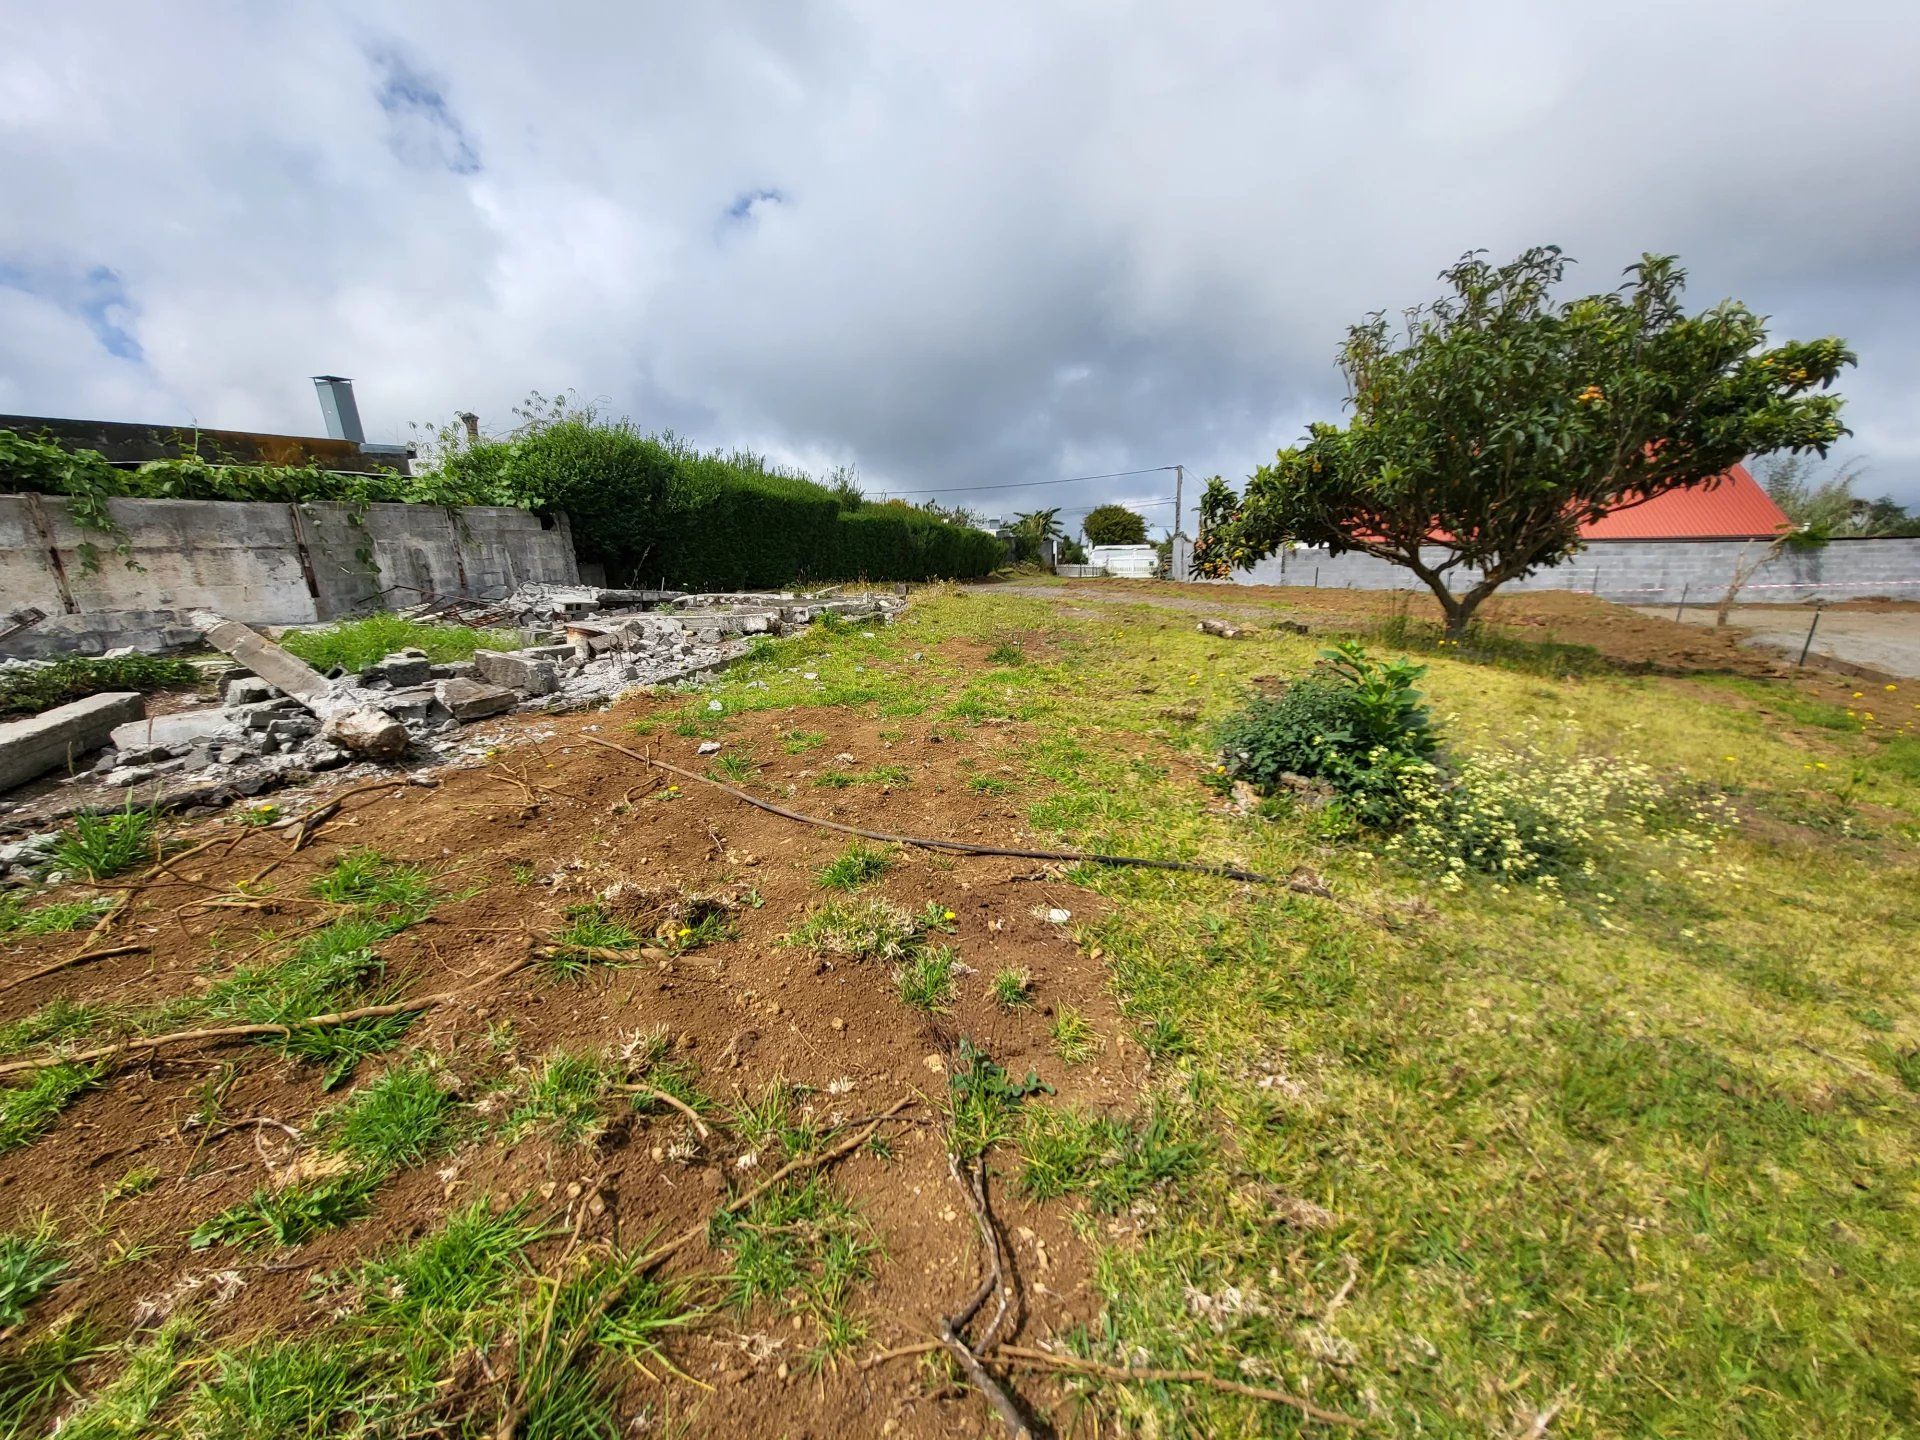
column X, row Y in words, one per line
column 552, row 823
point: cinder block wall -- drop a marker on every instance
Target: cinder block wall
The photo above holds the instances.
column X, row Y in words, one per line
column 265, row 564
column 1649, row 572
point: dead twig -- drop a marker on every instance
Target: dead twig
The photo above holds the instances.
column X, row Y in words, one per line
column 83, row 958
column 671, row 1101
column 1298, row 884
column 973, row 1186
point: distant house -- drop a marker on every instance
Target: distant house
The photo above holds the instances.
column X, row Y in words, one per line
column 1731, row 507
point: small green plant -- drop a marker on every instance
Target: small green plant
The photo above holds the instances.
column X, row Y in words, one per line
column 705, row 923
column 774, row 1120
column 796, row 741
column 36, row 1375
column 30, row 1261
column 136, row 1181
column 798, row 1247
column 1074, row 1038
column 855, row 866
column 989, row 785
column 1357, row 723
column 289, row 1215
column 399, row 1118
column 925, row 982
column 277, row 1387
column 983, row 1102
column 1006, row 653
column 523, row 872
column 101, row 846
column 1012, row 988
column 451, row 1280
column 1104, row 1158
column 54, row 1023
column 588, row 931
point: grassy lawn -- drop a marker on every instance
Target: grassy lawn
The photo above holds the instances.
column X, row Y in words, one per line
column 1629, row 1153
column 1642, row 1156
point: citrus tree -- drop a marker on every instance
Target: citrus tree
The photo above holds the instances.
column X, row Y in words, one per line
column 1499, row 421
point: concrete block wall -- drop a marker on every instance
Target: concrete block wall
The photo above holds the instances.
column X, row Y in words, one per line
column 1649, row 572
column 264, row 564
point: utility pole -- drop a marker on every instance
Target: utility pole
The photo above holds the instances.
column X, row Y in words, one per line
column 1179, row 483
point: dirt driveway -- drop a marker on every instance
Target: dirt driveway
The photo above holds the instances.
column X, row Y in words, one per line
column 1884, row 638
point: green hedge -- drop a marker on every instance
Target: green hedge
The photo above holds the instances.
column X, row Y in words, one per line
column 649, row 507
column 653, row 509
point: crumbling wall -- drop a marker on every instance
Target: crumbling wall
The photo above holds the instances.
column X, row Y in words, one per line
column 260, row 563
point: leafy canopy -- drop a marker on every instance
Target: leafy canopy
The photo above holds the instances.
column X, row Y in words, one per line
column 1500, row 421
column 1114, row 525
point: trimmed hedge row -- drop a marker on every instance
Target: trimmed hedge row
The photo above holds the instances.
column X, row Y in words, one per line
column 652, row 509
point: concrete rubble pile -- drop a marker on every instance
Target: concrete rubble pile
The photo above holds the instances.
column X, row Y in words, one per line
column 279, row 720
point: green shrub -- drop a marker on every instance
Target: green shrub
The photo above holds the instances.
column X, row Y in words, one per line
column 356, row 644
column 1358, row 724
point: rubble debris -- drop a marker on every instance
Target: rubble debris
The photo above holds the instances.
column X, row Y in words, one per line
column 280, row 721
column 346, row 716
column 25, row 618
column 57, row 737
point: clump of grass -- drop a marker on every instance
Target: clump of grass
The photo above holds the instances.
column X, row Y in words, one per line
column 336, row 968
column 451, row 1281
column 126, row 1406
column 399, row 1118
column 925, row 982
column 736, row 769
column 859, row 930
column 1012, row 988
column 356, row 644
column 101, row 846
column 290, row 1215
column 30, row 689
column 796, row 741
column 30, row 1261
column 1108, row 1160
column 702, row 924
column 589, row 928
column 53, row 919
column 379, row 884
column 280, row 1387
column 563, row 1097
column 28, row 1109
column 1006, row 653
column 634, row 1325
column 34, row 1376
column 55, row 1022
column 799, row 1248
column 1074, row 1038
column 855, row 866
column 774, row 1120
column 989, row 785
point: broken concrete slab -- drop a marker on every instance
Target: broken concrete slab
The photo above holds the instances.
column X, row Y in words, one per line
column 247, row 690
column 401, row 670
column 468, row 700
column 518, row 670
column 184, row 727
column 55, row 738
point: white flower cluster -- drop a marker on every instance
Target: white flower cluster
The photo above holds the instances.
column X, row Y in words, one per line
column 1533, row 815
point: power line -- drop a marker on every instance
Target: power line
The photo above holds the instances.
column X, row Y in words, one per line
column 1025, row 485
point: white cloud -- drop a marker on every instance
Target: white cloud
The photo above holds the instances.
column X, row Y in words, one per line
column 973, row 245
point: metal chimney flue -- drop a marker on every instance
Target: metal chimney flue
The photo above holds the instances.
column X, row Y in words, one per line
column 337, row 408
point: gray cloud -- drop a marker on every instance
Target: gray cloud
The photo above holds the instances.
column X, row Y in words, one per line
column 979, row 245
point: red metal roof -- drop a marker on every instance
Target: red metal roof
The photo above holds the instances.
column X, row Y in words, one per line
column 1731, row 507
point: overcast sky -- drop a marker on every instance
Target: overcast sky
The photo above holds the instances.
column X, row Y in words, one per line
column 956, row 245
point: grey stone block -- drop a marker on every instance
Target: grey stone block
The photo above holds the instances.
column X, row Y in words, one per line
column 517, row 670
column 56, row 738
column 247, row 690
column 401, row 670
column 469, row 700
